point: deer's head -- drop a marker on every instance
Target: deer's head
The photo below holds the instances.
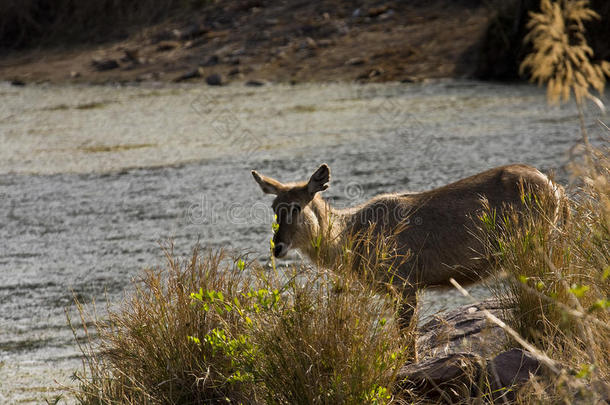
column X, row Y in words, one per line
column 292, row 206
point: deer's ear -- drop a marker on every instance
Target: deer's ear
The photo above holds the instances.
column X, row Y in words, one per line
column 319, row 180
column 268, row 185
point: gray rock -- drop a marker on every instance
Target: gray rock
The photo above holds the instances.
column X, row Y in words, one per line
column 255, row 83
column 235, row 71
column 449, row 378
column 213, row 60
column 410, row 79
column 457, row 352
column 465, row 329
column 167, row 46
column 191, row 74
column 215, row 79
column 511, row 369
column 104, row 64
column 356, row 61
column 190, row 32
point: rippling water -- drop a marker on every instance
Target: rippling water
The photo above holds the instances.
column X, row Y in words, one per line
column 93, row 177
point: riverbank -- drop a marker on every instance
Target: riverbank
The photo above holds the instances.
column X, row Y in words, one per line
column 278, row 42
column 288, row 42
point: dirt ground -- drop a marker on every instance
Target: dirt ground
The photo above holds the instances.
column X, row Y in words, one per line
column 278, row 41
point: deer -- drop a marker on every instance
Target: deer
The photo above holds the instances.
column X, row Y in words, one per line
column 434, row 230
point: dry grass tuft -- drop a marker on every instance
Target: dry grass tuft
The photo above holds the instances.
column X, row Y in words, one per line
column 561, row 56
column 558, row 274
column 211, row 330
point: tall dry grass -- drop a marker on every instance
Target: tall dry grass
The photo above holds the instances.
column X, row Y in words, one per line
column 212, row 330
column 561, row 58
column 557, row 275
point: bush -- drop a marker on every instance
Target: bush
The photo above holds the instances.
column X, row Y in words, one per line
column 211, row 330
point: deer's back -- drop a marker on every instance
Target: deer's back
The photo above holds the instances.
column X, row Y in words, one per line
column 438, row 226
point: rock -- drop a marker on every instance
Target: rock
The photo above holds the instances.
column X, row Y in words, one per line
column 74, row 74
column 311, row 43
column 192, row 74
column 451, row 377
column 376, row 72
column 371, row 73
column 255, row 83
column 455, row 376
column 167, row 46
column 410, row 79
column 104, row 64
column 131, row 55
column 213, row 60
column 465, row 329
column 387, row 15
column 457, row 352
column 376, row 11
column 190, row 32
column 215, row 79
column 232, row 60
column 356, row 61
column 235, row 71
column 148, row 76
column 509, row 369
column 325, row 43
column 195, row 43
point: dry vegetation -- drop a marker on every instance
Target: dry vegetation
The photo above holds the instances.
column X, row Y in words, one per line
column 36, row 22
column 211, row 330
column 558, row 278
column 561, row 57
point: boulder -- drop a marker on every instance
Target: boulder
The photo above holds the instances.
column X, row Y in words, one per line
column 189, row 32
column 215, row 79
column 457, row 354
column 511, row 368
column 255, row 83
column 167, row 46
column 448, row 378
column 104, row 64
column 465, row 329
column 191, row 74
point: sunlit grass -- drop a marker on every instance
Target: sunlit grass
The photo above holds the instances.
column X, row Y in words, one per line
column 211, row 329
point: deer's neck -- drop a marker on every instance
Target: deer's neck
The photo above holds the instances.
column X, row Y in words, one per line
column 326, row 233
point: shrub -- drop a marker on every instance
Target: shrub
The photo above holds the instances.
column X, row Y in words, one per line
column 211, row 330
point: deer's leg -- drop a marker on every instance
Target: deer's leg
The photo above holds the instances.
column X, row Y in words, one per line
column 407, row 320
column 406, row 309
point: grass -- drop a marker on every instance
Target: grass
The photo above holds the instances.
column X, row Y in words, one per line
column 211, row 329
column 558, row 278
